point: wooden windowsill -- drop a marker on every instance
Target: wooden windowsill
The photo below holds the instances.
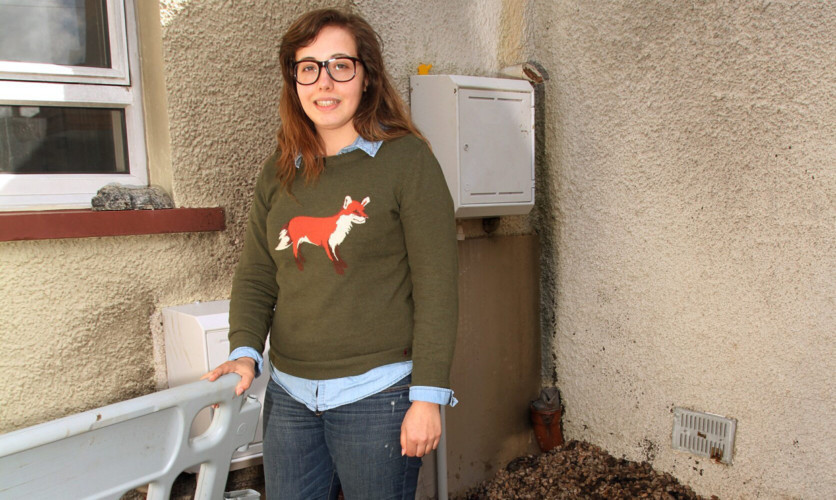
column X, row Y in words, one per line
column 55, row 224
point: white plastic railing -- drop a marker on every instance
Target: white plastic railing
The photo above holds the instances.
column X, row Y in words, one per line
column 103, row 453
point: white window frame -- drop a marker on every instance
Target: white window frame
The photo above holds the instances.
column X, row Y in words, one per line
column 76, row 86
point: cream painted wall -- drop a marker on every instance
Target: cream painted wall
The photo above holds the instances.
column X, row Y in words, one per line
column 693, row 150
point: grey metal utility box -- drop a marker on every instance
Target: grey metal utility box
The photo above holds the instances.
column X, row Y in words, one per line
column 482, row 132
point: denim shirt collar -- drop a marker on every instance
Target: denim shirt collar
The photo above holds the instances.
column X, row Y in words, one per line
column 369, row 147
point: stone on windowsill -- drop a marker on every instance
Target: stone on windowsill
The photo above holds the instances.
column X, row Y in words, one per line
column 118, row 197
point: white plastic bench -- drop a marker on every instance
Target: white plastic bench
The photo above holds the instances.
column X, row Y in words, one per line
column 106, row 452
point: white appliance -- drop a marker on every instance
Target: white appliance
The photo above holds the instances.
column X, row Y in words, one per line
column 196, row 342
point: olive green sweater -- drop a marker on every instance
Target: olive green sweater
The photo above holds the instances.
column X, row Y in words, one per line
column 361, row 267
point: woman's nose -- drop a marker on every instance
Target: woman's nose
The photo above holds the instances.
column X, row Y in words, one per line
column 325, row 81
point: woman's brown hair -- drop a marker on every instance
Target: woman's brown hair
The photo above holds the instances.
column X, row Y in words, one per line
column 380, row 116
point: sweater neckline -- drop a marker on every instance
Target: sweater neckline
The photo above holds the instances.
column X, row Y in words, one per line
column 337, row 160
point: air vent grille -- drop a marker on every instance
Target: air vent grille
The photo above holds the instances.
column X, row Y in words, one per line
column 704, row 434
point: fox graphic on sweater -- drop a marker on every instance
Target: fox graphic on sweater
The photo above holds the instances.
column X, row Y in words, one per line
column 325, row 232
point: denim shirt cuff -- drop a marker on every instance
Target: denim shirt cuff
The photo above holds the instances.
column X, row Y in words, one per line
column 248, row 352
column 435, row 395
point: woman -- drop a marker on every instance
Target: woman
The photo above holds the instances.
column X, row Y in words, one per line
column 351, row 238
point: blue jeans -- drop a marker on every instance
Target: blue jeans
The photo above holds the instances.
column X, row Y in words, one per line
column 310, row 455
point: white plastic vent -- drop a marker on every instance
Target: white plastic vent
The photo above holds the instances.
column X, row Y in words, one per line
column 704, row 434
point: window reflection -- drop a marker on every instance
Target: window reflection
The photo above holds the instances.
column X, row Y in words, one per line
column 56, row 140
column 66, row 32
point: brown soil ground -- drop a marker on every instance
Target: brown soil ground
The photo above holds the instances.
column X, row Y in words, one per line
column 579, row 470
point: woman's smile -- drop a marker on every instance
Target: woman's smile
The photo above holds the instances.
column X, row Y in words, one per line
column 325, row 104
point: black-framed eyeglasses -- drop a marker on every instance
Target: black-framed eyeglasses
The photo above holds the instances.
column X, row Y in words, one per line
column 340, row 69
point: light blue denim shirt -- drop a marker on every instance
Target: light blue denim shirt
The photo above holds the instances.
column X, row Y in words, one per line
column 321, row 395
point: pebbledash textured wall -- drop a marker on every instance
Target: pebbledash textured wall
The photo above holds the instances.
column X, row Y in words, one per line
column 694, row 151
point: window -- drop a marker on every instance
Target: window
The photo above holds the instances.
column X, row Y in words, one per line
column 70, row 110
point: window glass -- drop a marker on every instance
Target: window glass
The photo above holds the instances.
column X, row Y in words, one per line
column 59, row 140
column 65, row 32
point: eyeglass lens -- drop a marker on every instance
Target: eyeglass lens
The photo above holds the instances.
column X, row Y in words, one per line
column 340, row 70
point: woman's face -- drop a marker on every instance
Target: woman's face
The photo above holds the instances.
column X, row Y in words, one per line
column 331, row 105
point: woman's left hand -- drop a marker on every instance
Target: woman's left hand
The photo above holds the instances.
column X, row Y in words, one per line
column 421, row 429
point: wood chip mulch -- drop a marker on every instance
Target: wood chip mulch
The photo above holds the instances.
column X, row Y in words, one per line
column 579, row 470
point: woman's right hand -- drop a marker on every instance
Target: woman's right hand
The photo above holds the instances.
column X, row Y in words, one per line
column 245, row 367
